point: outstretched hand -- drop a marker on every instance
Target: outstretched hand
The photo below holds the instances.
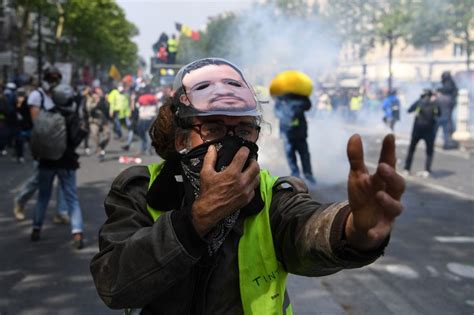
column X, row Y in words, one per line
column 374, row 199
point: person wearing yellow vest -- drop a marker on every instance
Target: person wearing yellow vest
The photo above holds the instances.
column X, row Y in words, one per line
column 206, row 231
column 172, row 45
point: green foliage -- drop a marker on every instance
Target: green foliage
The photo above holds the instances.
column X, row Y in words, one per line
column 95, row 31
column 99, row 32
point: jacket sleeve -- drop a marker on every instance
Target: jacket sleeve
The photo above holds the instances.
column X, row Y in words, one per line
column 309, row 236
column 414, row 106
column 138, row 258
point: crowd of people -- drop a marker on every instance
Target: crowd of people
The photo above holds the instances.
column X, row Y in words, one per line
column 91, row 115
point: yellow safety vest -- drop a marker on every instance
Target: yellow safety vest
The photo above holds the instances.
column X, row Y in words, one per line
column 262, row 277
column 172, row 45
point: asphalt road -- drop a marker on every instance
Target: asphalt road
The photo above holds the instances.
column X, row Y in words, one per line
column 428, row 268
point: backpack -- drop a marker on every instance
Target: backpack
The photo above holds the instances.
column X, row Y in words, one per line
column 426, row 113
column 76, row 123
column 49, row 135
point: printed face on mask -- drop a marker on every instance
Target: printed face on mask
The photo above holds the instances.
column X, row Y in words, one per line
column 217, row 88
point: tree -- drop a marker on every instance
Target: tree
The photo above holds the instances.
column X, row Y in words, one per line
column 25, row 10
column 99, row 33
column 365, row 22
column 461, row 24
column 95, row 32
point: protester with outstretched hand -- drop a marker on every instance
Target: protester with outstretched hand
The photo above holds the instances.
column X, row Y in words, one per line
column 206, row 231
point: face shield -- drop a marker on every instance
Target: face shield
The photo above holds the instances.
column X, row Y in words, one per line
column 214, row 86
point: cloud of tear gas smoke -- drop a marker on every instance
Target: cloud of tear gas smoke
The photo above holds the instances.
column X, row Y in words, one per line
column 270, row 44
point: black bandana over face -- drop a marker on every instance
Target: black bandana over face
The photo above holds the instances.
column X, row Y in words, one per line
column 191, row 164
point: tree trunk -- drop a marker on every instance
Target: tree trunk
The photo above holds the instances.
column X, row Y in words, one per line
column 468, row 49
column 22, row 39
column 391, row 45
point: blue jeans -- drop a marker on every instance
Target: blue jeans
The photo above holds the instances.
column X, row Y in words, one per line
column 67, row 180
column 31, row 186
column 143, row 127
column 117, row 125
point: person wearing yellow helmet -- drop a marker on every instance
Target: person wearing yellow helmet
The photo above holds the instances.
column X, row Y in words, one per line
column 206, row 231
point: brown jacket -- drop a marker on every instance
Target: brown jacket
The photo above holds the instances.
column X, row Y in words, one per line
column 162, row 267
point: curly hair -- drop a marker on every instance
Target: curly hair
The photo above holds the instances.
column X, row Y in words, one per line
column 162, row 131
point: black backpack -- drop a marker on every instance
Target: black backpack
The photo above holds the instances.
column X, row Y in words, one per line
column 427, row 111
column 49, row 134
column 76, row 121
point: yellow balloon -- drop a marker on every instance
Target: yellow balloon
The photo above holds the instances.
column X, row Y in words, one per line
column 291, row 81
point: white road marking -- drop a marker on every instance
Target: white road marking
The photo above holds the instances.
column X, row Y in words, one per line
column 432, row 270
column 454, row 239
column 403, row 271
column 466, row 271
column 430, row 185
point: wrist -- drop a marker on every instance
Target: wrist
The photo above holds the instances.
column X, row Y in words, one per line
column 202, row 224
column 360, row 240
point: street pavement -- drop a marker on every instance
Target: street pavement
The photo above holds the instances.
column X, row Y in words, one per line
column 428, row 268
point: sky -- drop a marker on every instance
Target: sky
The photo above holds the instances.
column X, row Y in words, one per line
column 155, row 16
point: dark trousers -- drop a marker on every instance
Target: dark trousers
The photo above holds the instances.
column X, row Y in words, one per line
column 428, row 135
column 301, row 146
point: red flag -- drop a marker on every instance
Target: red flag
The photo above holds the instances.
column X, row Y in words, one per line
column 195, row 36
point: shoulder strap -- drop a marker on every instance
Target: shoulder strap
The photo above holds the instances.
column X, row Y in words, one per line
column 42, row 98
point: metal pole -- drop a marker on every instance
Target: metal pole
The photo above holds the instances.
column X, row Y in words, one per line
column 40, row 43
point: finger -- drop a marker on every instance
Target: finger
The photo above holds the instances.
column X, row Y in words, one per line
column 355, row 153
column 394, row 182
column 391, row 207
column 210, row 158
column 239, row 160
column 387, row 155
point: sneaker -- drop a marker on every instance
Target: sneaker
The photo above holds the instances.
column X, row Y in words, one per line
column 406, row 173
column 4, row 152
column 126, row 147
column 21, row 160
column 87, row 151
column 19, row 211
column 60, row 218
column 101, row 156
column 423, row 174
column 35, row 235
column 78, row 240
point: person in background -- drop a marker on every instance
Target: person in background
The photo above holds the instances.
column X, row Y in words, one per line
column 424, row 128
column 24, row 125
column 290, row 109
column 97, row 113
column 447, row 99
column 391, row 109
column 128, row 109
column 85, row 97
column 147, row 111
column 172, row 46
column 114, row 100
column 4, row 126
column 62, row 97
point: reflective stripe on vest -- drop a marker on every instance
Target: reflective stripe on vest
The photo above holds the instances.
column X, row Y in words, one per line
column 262, row 277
